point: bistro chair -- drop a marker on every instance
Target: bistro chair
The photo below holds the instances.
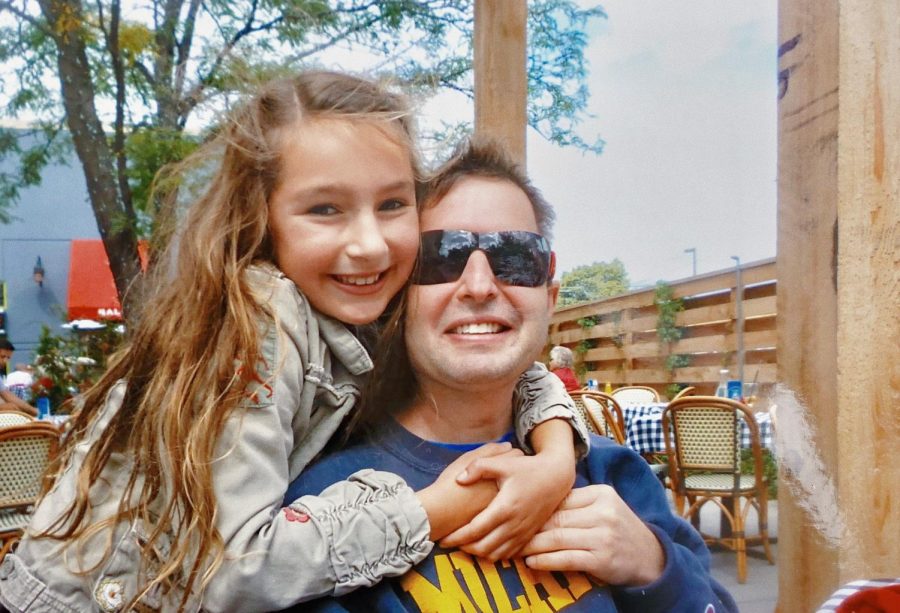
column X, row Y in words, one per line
column 11, row 417
column 635, row 394
column 25, row 452
column 703, row 445
column 685, row 391
column 601, row 413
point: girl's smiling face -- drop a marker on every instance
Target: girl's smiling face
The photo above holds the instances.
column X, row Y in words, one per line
column 343, row 216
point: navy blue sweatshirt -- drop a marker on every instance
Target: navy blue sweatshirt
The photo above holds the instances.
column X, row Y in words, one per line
column 456, row 581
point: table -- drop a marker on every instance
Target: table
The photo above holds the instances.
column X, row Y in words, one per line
column 644, row 432
column 57, row 420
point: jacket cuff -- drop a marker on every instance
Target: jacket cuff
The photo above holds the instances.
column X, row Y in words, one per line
column 374, row 527
column 540, row 396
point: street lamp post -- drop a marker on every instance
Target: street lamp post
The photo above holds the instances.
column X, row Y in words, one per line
column 739, row 314
column 693, row 252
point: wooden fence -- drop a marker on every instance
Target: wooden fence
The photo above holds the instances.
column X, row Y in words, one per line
column 616, row 341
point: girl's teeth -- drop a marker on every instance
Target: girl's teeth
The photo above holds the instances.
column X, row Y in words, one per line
column 485, row 328
column 359, row 280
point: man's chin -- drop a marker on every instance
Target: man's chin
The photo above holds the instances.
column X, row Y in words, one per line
column 487, row 372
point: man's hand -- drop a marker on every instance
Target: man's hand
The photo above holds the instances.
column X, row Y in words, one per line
column 531, row 487
column 594, row 531
column 450, row 504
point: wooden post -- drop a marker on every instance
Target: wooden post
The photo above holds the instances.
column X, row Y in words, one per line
column 839, row 281
column 501, row 82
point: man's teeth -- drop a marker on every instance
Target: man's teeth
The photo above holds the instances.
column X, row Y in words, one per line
column 483, row 328
column 369, row 280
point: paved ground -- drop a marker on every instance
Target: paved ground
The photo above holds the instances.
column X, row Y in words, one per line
column 760, row 592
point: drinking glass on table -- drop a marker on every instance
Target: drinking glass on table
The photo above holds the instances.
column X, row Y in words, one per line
column 750, row 391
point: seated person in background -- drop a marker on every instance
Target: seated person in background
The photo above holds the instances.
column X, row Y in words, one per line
column 23, row 376
column 475, row 317
column 561, row 361
column 8, row 400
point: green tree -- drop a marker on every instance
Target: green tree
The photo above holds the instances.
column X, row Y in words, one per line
column 593, row 282
column 120, row 84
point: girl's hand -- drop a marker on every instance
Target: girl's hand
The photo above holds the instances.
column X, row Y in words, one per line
column 594, row 531
column 531, row 487
column 450, row 504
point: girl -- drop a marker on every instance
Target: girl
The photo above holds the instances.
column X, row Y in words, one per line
column 167, row 490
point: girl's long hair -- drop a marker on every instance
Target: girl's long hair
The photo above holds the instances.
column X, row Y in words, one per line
column 200, row 323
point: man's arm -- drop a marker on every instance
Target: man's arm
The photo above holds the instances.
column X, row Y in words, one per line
column 11, row 401
column 624, row 533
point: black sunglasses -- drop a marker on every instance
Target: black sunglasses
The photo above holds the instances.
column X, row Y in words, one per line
column 516, row 257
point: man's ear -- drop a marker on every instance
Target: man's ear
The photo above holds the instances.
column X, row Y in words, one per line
column 552, row 265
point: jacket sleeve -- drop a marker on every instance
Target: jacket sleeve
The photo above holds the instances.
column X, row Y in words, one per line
column 686, row 584
column 540, row 396
column 352, row 535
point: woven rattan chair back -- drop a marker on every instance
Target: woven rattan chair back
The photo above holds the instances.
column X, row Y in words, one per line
column 635, row 394
column 707, row 438
column 25, row 452
column 703, row 444
column 601, row 413
column 14, row 418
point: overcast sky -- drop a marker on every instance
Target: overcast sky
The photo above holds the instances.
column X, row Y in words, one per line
column 684, row 95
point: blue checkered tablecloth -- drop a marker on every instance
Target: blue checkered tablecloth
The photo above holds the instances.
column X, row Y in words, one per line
column 852, row 588
column 644, row 433
column 630, row 411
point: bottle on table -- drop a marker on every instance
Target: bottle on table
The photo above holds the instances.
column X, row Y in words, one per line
column 43, row 407
column 722, row 387
column 608, row 388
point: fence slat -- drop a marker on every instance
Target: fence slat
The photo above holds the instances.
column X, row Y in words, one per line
column 622, row 346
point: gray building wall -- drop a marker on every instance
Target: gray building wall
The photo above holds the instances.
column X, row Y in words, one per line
column 46, row 219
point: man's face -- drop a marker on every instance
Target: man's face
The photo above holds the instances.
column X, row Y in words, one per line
column 477, row 330
column 5, row 357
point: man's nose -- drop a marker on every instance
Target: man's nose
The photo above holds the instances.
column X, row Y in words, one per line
column 365, row 238
column 477, row 281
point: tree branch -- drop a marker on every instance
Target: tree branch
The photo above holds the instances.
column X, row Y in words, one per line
column 5, row 5
column 112, row 45
column 184, row 47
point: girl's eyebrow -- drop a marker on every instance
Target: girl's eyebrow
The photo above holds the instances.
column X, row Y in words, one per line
column 335, row 189
column 402, row 184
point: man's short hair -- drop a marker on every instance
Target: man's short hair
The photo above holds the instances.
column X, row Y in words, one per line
column 485, row 158
column 5, row 344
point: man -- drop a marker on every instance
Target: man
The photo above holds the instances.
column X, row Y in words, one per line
column 476, row 316
column 8, row 400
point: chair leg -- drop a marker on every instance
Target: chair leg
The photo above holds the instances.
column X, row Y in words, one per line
column 763, row 515
column 740, row 542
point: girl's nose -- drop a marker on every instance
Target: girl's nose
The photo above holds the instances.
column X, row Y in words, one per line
column 366, row 239
column 477, row 281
